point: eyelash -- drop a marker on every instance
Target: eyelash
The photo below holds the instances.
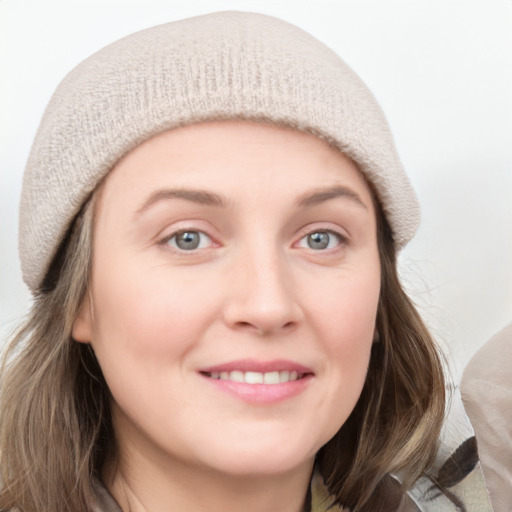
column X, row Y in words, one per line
column 166, row 241
column 341, row 241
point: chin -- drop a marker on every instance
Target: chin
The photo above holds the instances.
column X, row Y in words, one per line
column 263, row 457
column 263, row 467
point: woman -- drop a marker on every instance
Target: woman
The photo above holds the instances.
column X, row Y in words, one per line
column 210, row 219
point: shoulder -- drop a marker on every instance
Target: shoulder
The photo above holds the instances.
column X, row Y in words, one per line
column 453, row 485
column 454, row 482
column 104, row 500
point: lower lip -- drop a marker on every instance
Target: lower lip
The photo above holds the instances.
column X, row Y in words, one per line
column 262, row 393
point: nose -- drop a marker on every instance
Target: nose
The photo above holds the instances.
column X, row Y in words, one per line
column 263, row 297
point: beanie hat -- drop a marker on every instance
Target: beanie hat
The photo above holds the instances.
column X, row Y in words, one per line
column 227, row 65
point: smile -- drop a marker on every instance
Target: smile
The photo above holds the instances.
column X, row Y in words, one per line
column 275, row 377
column 259, row 382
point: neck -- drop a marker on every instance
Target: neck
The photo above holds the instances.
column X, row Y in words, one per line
column 140, row 487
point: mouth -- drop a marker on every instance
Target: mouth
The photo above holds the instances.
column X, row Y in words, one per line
column 271, row 378
column 260, row 382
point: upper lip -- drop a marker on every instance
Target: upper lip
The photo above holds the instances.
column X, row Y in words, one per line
column 252, row 365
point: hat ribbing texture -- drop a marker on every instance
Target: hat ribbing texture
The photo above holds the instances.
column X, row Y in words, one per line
column 228, row 65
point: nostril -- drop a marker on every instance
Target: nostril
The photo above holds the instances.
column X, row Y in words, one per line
column 262, row 329
column 244, row 324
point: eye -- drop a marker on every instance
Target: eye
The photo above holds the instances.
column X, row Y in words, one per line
column 321, row 240
column 188, row 240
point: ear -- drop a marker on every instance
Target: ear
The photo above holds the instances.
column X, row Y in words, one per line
column 82, row 326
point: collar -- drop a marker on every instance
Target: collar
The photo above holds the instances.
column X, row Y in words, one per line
column 320, row 500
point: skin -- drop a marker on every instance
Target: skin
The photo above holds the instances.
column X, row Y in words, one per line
column 255, row 288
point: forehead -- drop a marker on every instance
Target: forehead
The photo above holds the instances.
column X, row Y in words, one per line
column 236, row 159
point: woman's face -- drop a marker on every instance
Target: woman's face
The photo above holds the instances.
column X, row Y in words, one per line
column 233, row 296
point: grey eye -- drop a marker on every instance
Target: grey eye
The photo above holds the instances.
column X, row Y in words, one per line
column 320, row 240
column 189, row 240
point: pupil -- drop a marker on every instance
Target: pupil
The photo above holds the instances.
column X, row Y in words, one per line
column 188, row 240
column 318, row 240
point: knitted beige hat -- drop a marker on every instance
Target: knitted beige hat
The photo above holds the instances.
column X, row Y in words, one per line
column 218, row 66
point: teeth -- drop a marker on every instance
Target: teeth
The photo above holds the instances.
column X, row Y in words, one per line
column 257, row 377
column 271, row 378
column 253, row 378
column 236, row 376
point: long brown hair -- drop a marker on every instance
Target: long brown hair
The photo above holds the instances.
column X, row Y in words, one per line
column 55, row 428
column 56, row 431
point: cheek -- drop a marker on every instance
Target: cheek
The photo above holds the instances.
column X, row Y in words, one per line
column 144, row 331
column 346, row 321
column 347, row 310
column 145, row 322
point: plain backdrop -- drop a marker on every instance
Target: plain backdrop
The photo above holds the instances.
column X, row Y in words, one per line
column 442, row 71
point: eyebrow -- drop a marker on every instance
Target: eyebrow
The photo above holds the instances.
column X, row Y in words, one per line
column 196, row 196
column 326, row 194
column 207, row 198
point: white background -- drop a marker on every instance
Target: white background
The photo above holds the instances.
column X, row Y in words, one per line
column 442, row 70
